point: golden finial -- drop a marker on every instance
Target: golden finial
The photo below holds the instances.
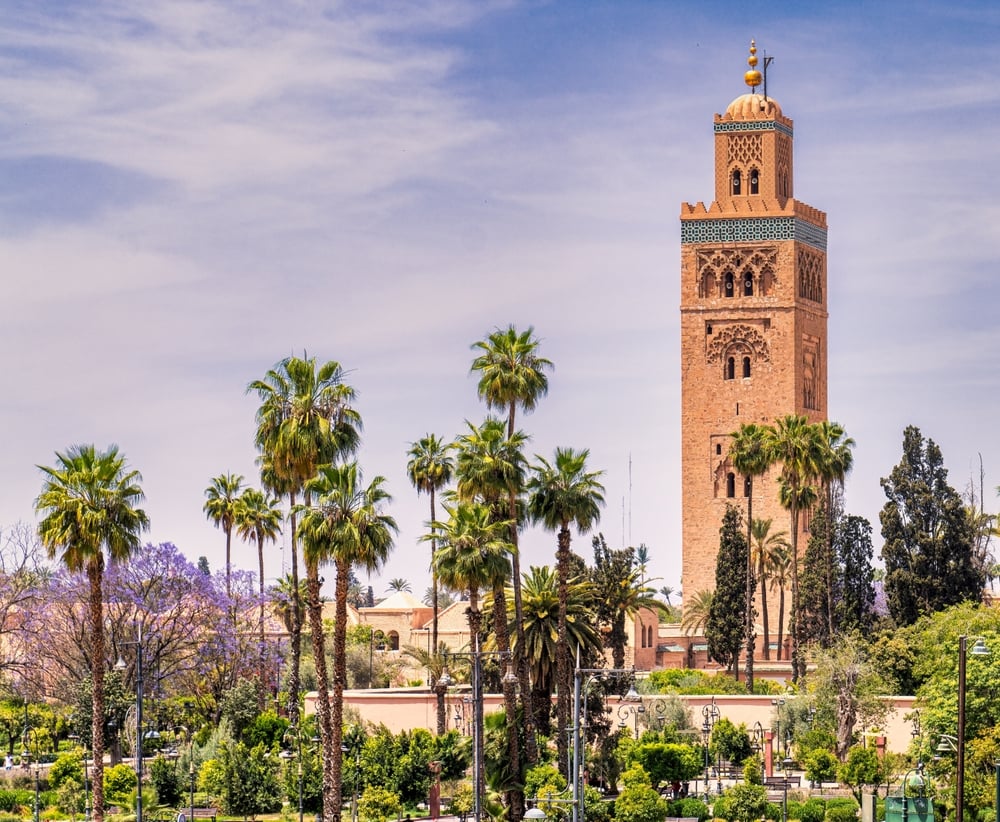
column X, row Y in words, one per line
column 752, row 77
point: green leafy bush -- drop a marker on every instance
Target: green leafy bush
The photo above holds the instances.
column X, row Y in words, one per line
column 67, row 766
column 379, row 805
column 690, row 808
column 814, row 810
column 13, row 800
column 841, row 812
column 747, row 803
column 119, row 782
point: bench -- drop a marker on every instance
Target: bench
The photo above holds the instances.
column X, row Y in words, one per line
column 202, row 813
column 782, row 781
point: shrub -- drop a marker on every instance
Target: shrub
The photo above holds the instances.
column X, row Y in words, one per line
column 690, row 808
column 379, row 805
column 753, row 773
column 813, row 811
column 841, row 813
column 597, row 810
column 67, row 766
column 14, row 800
column 747, row 803
column 163, row 774
column 119, row 782
column 638, row 802
column 821, row 766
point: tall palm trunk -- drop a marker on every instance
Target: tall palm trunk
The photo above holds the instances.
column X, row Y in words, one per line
column 229, row 565
column 95, row 578
column 296, row 632
column 336, row 770
column 475, row 628
column 751, row 634
column 263, row 639
column 781, row 616
column 762, row 581
column 521, row 659
column 442, row 717
column 331, row 788
column 798, row 661
column 562, row 650
column 514, row 797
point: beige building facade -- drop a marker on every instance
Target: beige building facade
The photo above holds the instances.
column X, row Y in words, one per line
column 753, row 307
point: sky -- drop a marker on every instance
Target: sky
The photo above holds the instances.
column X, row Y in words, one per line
column 191, row 191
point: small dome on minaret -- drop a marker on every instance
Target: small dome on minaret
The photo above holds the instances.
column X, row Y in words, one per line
column 753, row 106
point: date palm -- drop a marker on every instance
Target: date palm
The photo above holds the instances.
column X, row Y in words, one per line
column 835, row 464
column 561, row 494
column 511, row 374
column 795, row 444
column 258, row 518
column 347, row 527
column 220, row 508
column 779, row 565
column 89, row 517
column 541, row 630
column 430, row 469
column 750, row 458
column 305, row 419
column 696, row 612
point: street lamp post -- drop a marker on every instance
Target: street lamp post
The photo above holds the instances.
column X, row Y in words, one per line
column 38, row 768
column 711, row 715
column 578, row 730
column 631, row 706
column 978, row 649
column 120, row 665
column 918, row 783
column 786, row 765
column 476, row 657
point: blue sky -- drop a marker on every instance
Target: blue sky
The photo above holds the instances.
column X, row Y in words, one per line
column 190, row 191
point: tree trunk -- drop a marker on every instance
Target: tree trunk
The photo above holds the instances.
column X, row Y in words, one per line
column 296, row 632
column 262, row 689
column 751, row 634
column 331, row 788
column 95, row 576
column 442, row 718
column 762, row 581
column 781, row 617
column 798, row 661
column 514, row 797
column 563, row 676
column 521, row 650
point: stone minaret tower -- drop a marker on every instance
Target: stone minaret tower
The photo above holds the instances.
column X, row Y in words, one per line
column 753, row 320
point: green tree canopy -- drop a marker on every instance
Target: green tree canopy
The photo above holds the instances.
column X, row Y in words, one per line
column 725, row 629
column 928, row 551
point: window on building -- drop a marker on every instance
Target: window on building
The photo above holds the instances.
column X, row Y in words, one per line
column 746, row 367
column 747, row 284
column 754, row 182
column 729, row 284
column 718, row 448
column 736, row 183
column 730, row 484
column 731, row 368
column 393, row 638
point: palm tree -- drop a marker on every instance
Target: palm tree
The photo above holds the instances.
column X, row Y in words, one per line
column 795, row 443
column 472, row 555
column 512, row 374
column 666, row 592
column 397, row 584
column 347, row 527
column 642, row 558
column 750, row 458
column 88, row 509
column 779, row 566
column 429, row 469
column 258, row 518
column 541, row 630
column 304, row 420
column 763, row 544
column 564, row 493
column 696, row 612
column 435, row 662
column 490, row 468
column 837, row 461
column 220, row 508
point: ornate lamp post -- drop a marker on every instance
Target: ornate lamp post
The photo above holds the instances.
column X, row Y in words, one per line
column 631, row 706
column 786, row 765
column 38, row 769
column 917, row 782
column 120, row 665
column 711, row 715
column 978, row 649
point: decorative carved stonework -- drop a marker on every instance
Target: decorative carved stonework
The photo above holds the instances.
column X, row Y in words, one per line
column 738, row 336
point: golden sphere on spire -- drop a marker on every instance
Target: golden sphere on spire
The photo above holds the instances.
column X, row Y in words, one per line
column 753, row 77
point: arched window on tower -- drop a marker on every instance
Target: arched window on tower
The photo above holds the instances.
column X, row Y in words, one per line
column 731, row 368
column 746, row 367
column 730, row 484
column 755, row 182
column 747, row 283
column 737, row 181
column 728, row 284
